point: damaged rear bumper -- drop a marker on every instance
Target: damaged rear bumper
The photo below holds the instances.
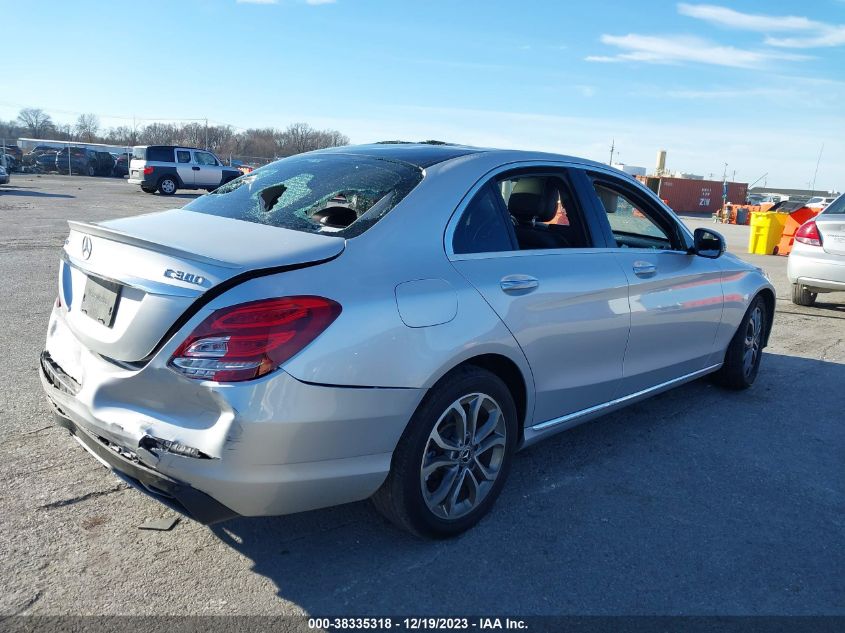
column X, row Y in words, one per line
column 175, row 494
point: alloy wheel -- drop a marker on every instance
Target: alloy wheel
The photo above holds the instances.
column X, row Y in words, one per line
column 753, row 338
column 463, row 456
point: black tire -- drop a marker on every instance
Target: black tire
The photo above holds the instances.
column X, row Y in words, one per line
column 92, row 171
column 803, row 297
column 400, row 499
column 737, row 372
column 167, row 186
column 148, row 189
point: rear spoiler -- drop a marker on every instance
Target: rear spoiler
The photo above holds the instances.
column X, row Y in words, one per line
column 125, row 238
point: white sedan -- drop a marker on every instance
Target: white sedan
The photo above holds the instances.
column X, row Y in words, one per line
column 817, row 261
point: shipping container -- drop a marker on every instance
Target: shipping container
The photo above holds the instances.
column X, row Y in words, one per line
column 699, row 196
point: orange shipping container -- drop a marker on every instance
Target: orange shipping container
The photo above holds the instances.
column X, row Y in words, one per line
column 685, row 195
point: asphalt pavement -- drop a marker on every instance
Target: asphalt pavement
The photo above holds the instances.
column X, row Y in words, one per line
column 699, row 501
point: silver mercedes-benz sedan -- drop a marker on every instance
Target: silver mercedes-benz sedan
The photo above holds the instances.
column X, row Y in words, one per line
column 389, row 321
column 817, row 259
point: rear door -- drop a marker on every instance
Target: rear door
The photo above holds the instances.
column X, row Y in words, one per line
column 185, row 166
column 676, row 297
column 209, row 170
column 552, row 281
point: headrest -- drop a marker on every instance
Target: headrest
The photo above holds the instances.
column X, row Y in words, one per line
column 532, row 198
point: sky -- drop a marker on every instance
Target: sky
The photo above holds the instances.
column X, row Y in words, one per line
column 757, row 85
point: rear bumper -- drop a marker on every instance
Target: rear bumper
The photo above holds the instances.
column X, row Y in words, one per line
column 175, row 494
column 822, row 271
column 270, row 446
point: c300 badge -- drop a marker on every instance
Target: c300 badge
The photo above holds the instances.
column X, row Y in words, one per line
column 181, row 275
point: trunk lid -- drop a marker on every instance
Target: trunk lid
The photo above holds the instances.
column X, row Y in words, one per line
column 125, row 282
column 832, row 229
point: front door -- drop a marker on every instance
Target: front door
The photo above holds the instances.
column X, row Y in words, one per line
column 676, row 297
column 526, row 247
column 210, row 171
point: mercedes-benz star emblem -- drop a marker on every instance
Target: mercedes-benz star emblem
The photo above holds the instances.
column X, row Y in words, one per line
column 86, row 247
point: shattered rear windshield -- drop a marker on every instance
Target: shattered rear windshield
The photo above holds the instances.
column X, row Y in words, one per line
column 337, row 194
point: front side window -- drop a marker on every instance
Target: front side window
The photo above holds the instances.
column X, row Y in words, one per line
column 341, row 194
column 204, row 158
column 634, row 225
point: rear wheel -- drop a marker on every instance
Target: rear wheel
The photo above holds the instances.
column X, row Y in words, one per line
column 167, row 186
column 453, row 458
column 803, row 297
column 742, row 360
column 91, row 170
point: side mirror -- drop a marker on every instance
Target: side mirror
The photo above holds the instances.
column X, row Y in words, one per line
column 708, row 243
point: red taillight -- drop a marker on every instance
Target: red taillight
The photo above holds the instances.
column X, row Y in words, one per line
column 808, row 233
column 252, row 339
column 148, row 170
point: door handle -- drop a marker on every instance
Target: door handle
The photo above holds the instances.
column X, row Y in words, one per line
column 518, row 284
column 644, row 269
column 195, row 168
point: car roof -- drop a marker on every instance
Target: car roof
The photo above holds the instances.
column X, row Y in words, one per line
column 427, row 154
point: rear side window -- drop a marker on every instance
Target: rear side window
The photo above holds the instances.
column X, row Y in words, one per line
column 482, row 227
column 160, row 154
column 339, row 194
column 183, row 156
column 837, row 207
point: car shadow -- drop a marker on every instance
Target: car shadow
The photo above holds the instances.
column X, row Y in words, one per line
column 699, row 500
column 30, row 193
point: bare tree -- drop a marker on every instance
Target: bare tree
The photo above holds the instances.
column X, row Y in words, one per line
column 87, row 126
column 36, row 121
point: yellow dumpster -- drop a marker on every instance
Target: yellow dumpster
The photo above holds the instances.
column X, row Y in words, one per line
column 766, row 230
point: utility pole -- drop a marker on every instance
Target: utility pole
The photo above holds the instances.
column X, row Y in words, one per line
column 612, row 147
column 206, row 133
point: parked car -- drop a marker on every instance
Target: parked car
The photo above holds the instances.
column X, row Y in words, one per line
column 8, row 162
column 817, row 260
column 390, row 321
column 83, row 161
column 818, row 202
column 121, row 165
column 105, row 164
column 168, row 168
column 46, row 161
column 4, row 176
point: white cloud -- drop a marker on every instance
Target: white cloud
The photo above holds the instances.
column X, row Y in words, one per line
column 829, row 36
column 813, row 34
column 673, row 49
column 602, row 59
column 723, row 16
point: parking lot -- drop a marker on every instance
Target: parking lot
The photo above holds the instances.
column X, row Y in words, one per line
column 698, row 501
